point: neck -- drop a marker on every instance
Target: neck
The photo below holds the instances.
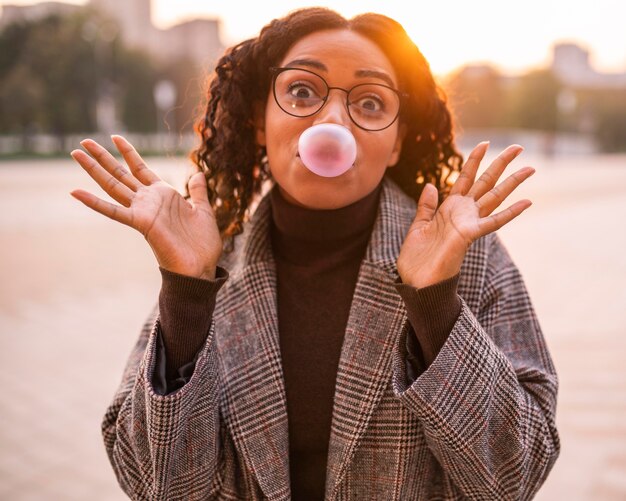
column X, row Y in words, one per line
column 304, row 235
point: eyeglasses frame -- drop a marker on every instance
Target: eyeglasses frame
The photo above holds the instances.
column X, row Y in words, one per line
column 277, row 70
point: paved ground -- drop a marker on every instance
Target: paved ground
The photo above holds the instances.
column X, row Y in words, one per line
column 76, row 288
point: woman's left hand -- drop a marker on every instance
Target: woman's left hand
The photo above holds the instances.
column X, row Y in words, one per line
column 438, row 238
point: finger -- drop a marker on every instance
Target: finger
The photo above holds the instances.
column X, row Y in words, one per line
column 118, row 191
column 490, row 177
column 427, row 204
column 111, row 165
column 115, row 212
column 497, row 221
column 468, row 173
column 494, row 197
column 198, row 189
column 137, row 166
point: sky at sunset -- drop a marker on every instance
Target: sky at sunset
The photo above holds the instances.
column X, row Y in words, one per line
column 514, row 36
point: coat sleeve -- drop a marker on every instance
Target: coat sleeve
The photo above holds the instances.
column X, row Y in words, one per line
column 487, row 402
column 164, row 446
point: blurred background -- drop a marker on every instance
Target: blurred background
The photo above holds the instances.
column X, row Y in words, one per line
column 76, row 287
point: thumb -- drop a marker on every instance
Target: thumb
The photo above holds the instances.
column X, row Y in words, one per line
column 198, row 189
column 427, row 204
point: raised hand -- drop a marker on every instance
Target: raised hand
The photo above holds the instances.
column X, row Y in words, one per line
column 438, row 238
column 183, row 234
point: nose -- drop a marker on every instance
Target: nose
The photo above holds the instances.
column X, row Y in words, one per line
column 334, row 110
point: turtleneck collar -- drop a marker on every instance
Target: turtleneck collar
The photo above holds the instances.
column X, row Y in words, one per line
column 303, row 235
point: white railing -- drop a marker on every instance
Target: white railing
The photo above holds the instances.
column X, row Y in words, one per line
column 47, row 144
column 172, row 144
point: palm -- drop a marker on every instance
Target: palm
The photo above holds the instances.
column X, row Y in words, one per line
column 436, row 242
column 182, row 234
column 454, row 223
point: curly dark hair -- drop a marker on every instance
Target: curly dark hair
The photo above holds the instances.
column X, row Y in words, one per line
column 234, row 164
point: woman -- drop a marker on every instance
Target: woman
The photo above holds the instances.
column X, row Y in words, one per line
column 362, row 345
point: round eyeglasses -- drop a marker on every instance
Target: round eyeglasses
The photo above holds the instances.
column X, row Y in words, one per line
column 302, row 93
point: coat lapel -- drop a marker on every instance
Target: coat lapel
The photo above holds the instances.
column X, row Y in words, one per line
column 253, row 403
column 253, row 398
column 377, row 316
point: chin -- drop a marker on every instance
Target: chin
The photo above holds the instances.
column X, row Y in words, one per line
column 307, row 189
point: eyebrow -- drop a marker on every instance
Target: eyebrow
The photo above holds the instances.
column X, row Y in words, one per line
column 312, row 63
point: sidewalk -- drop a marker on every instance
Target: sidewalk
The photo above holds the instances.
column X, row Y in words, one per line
column 76, row 288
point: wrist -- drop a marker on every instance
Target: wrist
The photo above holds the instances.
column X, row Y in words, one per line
column 425, row 278
column 208, row 273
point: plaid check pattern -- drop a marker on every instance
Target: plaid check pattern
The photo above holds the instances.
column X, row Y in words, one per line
column 479, row 423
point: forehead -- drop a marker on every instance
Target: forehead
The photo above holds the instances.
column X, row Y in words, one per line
column 340, row 49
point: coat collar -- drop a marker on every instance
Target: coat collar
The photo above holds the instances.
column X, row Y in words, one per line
column 253, row 402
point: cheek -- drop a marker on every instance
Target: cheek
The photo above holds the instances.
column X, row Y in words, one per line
column 378, row 146
column 281, row 132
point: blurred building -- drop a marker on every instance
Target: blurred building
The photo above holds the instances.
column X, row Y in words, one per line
column 198, row 39
column 576, row 104
column 570, row 62
column 26, row 13
column 133, row 18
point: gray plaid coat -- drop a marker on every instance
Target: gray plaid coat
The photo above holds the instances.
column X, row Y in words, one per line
column 479, row 423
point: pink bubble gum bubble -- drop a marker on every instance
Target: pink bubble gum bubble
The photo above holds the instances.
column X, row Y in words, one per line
column 328, row 150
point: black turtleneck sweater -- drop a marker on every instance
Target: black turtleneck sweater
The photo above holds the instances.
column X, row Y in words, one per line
column 318, row 254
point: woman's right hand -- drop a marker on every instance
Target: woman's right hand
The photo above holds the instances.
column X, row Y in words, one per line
column 183, row 234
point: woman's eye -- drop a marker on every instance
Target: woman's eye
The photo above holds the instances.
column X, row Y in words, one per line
column 301, row 91
column 371, row 103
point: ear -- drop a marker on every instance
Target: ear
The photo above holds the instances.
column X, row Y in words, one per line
column 397, row 147
column 259, row 122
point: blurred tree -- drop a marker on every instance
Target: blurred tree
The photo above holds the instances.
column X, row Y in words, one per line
column 49, row 78
column 54, row 71
column 609, row 111
column 477, row 96
column 137, row 77
column 533, row 101
column 22, row 103
column 12, row 40
column 189, row 82
column 611, row 131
